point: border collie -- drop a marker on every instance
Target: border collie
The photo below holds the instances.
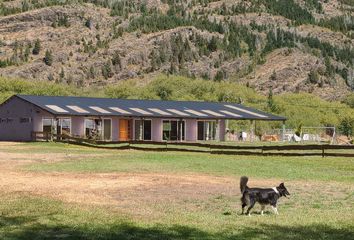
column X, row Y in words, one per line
column 264, row 196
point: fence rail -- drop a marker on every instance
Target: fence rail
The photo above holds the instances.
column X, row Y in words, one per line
column 277, row 150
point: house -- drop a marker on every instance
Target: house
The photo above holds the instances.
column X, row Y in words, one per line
column 120, row 119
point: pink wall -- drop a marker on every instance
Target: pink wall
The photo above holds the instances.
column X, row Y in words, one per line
column 191, row 130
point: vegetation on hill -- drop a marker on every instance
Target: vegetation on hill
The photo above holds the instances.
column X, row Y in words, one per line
column 301, row 109
column 211, row 39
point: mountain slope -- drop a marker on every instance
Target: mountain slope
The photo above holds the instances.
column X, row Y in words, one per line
column 284, row 45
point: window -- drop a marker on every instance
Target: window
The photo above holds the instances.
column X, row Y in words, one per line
column 173, row 130
column 93, row 128
column 64, row 126
column 142, row 129
column 207, row 130
column 48, row 126
column 107, row 129
column 25, row 120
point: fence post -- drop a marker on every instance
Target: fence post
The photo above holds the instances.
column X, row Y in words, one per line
column 323, row 151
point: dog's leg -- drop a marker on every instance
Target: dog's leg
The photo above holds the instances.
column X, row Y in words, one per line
column 252, row 203
column 243, row 207
column 262, row 209
column 274, row 207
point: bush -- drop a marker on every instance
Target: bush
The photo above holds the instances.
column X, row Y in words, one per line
column 37, row 47
column 346, row 126
column 48, row 58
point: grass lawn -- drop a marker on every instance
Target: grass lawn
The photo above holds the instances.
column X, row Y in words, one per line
column 205, row 206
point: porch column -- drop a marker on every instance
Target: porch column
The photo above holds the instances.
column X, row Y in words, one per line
column 221, row 129
column 252, row 128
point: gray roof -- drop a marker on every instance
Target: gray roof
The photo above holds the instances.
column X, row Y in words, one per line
column 85, row 106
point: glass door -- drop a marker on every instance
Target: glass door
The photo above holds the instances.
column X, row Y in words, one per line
column 107, row 129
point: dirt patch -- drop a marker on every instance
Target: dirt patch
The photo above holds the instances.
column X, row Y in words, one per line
column 137, row 194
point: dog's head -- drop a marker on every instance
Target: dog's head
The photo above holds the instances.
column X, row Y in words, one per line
column 282, row 190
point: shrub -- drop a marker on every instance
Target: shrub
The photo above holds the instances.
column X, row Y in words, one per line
column 37, row 47
column 48, row 58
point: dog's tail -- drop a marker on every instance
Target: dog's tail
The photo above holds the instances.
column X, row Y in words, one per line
column 243, row 184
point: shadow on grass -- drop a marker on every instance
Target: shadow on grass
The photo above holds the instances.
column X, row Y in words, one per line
column 21, row 228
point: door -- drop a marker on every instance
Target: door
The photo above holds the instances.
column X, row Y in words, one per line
column 142, row 129
column 147, row 129
column 124, row 130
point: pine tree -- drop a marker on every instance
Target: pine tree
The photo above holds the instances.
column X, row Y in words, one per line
column 116, row 61
column 48, row 58
column 270, row 101
column 273, row 76
column 62, row 74
column 107, row 70
column 313, row 77
column 37, row 47
column 220, row 75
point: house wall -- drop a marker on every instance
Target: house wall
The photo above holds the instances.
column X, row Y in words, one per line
column 191, row 130
column 11, row 129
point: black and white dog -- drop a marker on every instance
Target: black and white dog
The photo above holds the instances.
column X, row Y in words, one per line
column 264, row 196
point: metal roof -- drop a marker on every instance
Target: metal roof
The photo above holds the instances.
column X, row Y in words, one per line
column 86, row 106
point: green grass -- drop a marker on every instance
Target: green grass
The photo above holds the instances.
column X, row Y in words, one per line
column 321, row 211
column 287, row 168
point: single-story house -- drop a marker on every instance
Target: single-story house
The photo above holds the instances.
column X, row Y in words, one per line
column 120, row 119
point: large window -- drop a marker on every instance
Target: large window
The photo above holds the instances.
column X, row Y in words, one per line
column 173, row 130
column 142, row 129
column 207, row 130
column 93, row 128
column 64, row 126
column 48, row 125
column 107, row 129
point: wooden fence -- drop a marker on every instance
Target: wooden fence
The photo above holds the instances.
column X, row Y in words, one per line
column 324, row 150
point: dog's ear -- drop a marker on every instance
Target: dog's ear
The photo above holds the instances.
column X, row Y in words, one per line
column 281, row 185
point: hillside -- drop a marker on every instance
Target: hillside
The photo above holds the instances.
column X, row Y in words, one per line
column 284, row 45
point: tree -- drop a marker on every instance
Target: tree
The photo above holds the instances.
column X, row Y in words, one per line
column 273, row 76
column 88, row 23
column 220, row 75
column 346, row 126
column 116, row 61
column 270, row 101
column 27, row 52
column 213, row 44
column 164, row 92
column 92, row 72
column 37, row 47
column 313, row 77
column 48, row 58
column 349, row 100
column 107, row 70
column 62, row 74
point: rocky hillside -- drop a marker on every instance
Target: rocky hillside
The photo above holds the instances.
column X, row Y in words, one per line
column 283, row 45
